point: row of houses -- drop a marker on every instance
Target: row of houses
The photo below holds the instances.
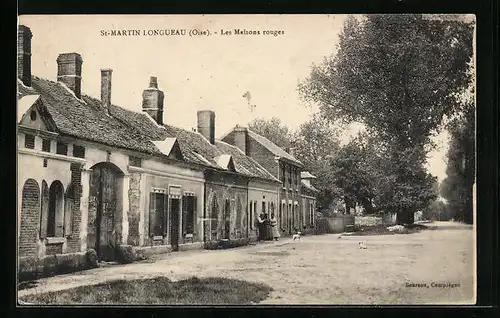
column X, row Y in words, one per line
column 95, row 175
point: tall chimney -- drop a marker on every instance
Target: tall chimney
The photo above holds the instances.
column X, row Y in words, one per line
column 24, row 54
column 106, row 88
column 240, row 135
column 152, row 101
column 69, row 71
column 206, row 124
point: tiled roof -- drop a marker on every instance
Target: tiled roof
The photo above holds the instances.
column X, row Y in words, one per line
column 244, row 164
column 85, row 118
column 272, row 147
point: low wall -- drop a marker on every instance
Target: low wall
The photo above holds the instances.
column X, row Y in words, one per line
column 334, row 224
column 31, row 268
column 222, row 244
column 387, row 219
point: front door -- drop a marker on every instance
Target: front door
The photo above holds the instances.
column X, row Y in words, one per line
column 102, row 235
column 174, row 224
column 290, row 219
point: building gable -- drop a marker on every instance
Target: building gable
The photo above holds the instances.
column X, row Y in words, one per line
column 32, row 113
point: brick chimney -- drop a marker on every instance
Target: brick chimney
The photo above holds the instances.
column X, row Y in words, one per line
column 69, row 72
column 206, row 124
column 152, row 101
column 240, row 135
column 24, row 54
column 106, row 88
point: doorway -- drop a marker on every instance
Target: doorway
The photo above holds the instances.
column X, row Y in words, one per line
column 102, row 208
column 174, row 223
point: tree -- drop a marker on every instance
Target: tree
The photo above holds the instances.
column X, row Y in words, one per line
column 274, row 130
column 315, row 144
column 353, row 172
column 399, row 75
column 456, row 188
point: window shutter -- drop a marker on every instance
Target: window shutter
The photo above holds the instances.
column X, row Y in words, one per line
column 152, row 214
column 184, row 214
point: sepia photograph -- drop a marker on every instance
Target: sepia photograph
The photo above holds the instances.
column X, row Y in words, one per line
column 246, row 160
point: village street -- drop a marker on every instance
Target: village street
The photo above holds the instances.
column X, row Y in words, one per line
column 322, row 269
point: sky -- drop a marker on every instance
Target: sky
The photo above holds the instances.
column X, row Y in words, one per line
column 201, row 71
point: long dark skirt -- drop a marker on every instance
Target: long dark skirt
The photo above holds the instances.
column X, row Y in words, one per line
column 262, row 231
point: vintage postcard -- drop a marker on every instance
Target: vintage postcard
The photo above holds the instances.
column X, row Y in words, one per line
column 246, row 159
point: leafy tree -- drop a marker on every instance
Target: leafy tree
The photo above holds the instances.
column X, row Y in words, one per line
column 353, row 173
column 456, row 188
column 399, row 75
column 274, row 130
column 315, row 144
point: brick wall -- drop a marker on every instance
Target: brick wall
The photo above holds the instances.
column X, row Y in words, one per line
column 221, row 193
column 30, row 215
column 52, row 249
column 76, row 180
column 263, row 156
column 134, row 195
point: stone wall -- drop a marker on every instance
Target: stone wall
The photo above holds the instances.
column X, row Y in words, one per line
column 387, row 219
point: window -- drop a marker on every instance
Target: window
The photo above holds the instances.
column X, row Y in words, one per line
column 62, row 148
column 157, row 209
column 283, row 175
column 29, row 141
column 214, row 217
column 189, row 213
column 311, row 214
column 134, row 161
column 78, row 151
column 282, row 215
column 55, row 217
column 239, row 211
column 254, row 211
column 263, row 207
column 46, row 145
column 250, row 215
column 33, row 115
column 227, row 219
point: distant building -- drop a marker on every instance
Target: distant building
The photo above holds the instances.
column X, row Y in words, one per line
column 292, row 214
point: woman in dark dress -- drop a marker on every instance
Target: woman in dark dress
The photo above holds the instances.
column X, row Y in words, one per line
column 262, row 227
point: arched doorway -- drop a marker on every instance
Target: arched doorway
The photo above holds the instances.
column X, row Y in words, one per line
column 103, row 208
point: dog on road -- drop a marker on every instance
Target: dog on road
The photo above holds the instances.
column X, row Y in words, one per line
column 296, row 236
column 362, row 245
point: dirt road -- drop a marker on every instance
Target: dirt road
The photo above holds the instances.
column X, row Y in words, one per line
column 431, row 267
